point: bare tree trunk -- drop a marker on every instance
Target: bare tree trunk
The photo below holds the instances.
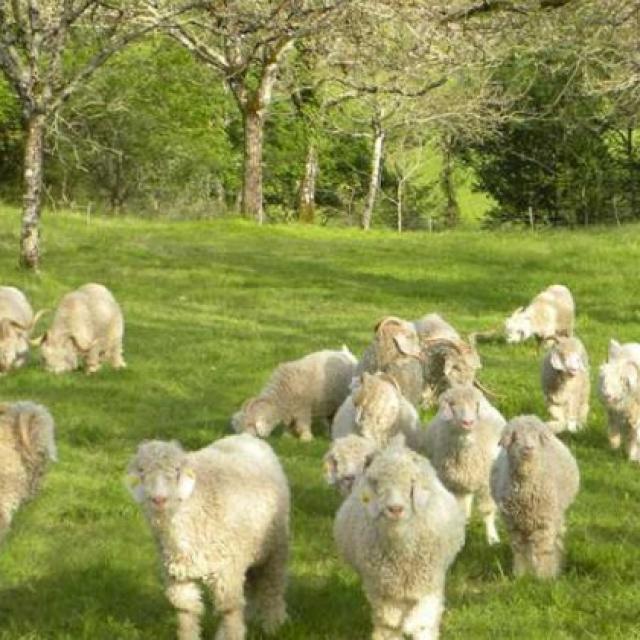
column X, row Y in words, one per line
column 374, row 180
column 307, row 199
column 252, row 184
column 631, row 171
column 32, row 189
column 399, row 194
column 452, row 210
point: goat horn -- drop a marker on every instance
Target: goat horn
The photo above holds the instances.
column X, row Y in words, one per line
column 458, row 345
column 37, row 317
column 486, row 390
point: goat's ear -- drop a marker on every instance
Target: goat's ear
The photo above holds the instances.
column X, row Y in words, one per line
column 186, row 482
column 584, row 361
column 25, row 432
column 330, row 468
column 556, row 361
column 508, row 437
column 407, row 346
column 419, row 495
column 615, row 349
column 630, row 374
column 133, row 482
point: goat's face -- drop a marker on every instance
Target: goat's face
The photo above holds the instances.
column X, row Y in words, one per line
column 460, row 406
column 257, row 418
column 618, row 379
column 524, row 439
column 159, row 477
column 393, row 489
column 13, row 344
column 460, row 366
column 567, row 355
column 59, row 354
column 518, row 326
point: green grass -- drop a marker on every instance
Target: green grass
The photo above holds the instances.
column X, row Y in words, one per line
column 211, row 308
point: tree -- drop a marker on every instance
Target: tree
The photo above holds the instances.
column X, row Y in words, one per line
column 553, row 162
column 247, row 43
column 148, row 133
column 36, row 41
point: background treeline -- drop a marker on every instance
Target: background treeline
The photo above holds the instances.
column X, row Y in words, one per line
column 376, row 121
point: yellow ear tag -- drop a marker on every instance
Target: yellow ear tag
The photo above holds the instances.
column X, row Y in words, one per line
column 190, row 473
column 365, row 497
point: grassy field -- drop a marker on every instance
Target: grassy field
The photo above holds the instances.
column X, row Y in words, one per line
column 211, row 308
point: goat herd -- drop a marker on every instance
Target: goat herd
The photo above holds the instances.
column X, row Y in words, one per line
column 220, row 515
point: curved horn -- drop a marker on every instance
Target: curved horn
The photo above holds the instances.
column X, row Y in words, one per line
column 458, row 345
column 37, row 317
column 36, row 342
column 82, row 348
column 384, row 321
column 486, row 390
column 485, row 335
column 18, row 325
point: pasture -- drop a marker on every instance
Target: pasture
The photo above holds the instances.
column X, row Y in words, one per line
column 211, row 308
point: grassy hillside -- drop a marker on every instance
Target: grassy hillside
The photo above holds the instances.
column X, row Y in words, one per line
column 211, row 308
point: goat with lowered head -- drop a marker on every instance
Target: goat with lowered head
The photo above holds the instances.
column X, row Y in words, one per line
column 447, row 358
column 400, row 529
column 87, row 324
column 565, row 384
column 462, row 443
column 534, row 480
column 549, row 315
column 396, row 350
column 27, row 446
column 298, row 391
column 16, row 323
column 376, row 409
column 220, row 517
column 619, row 388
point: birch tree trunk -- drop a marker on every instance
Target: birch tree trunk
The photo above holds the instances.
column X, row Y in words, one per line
column 374, row 179
column 399, row 202
column 32, row 198
column 307, row 199
column 252, row 183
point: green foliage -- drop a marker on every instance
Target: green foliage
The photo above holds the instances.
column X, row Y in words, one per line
column 556, row 156
column 211, row 307
column 151, row 131
column 10, row 141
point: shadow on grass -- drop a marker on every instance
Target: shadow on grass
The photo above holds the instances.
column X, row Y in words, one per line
column 97, row 602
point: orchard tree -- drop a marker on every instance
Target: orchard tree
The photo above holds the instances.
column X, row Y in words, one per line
column 48, row 50
column 247, row 42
